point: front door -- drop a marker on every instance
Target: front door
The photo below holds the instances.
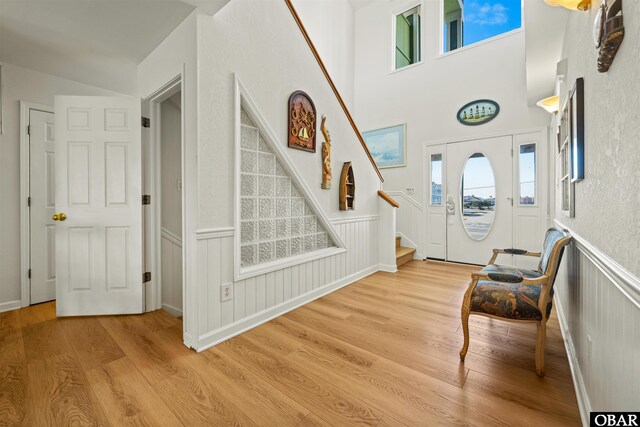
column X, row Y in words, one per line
column 479, row 199
column 98, row 205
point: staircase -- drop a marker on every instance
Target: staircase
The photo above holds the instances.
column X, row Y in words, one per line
column 403, row 255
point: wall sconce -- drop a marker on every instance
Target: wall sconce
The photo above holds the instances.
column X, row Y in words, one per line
column 550, row 104
column 570, row 4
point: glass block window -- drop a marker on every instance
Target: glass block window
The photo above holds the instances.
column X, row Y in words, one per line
column 276, row 221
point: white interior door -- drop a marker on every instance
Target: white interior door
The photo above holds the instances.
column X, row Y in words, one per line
column 98, row 189
column 42, row 205
column 479, row 199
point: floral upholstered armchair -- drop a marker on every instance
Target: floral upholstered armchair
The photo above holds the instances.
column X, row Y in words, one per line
column 517, row 294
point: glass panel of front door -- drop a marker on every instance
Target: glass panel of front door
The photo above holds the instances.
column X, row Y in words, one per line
column 477, row 198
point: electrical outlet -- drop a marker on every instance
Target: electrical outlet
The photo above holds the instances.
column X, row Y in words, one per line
column 411, row 191
column 179, row 184
column 226, row 292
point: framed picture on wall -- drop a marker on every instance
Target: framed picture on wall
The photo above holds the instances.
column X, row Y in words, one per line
column 388, row 146
column 576, row 114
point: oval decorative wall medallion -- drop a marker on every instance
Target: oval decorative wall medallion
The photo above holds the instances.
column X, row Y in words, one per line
column 478, row 112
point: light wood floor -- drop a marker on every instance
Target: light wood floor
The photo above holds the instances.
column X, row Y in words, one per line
column 383, row 351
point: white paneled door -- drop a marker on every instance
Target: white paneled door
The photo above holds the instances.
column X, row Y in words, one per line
column 479, row 199
column 98, row 206
column 42, row 203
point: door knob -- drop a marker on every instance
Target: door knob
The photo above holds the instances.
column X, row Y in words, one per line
column 59, row 216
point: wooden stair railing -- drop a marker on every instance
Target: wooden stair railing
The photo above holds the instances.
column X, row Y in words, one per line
column 296, row 17
column 388, row 199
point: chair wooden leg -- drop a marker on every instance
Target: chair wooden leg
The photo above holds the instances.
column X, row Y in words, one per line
column 465, row 330
column 540, row 345
column 465, row 311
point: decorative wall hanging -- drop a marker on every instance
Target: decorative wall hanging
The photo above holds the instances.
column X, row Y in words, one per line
column 608, row 33
column 387, row 146
column 302, row 122
column 347, row 188
column 478, row 112
column 576, row 130
column 326, row 155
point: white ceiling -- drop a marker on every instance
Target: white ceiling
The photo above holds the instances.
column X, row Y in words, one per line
column 98, row 42
column 544, row 34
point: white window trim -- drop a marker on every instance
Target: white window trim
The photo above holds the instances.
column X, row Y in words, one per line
column 535, row 192
column 405, row 7
column 244, row 100
column 443, row 54
column 430, row 160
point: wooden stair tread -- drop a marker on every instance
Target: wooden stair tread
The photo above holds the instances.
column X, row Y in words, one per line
column 402, row 251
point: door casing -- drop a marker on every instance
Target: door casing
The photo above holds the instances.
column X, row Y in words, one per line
column 25, row 228
column 152, row 184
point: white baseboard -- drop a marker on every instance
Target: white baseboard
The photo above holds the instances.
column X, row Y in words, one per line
column 388, row 268
column 175, row 312
column 10, row 305
column 210, row 339
column 584, row 405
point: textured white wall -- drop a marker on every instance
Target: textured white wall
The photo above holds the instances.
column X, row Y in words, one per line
column 330, row 25
column 607, row 202
column 262, row 44
column 427, row 96
column 21, row 84
column 171, row 167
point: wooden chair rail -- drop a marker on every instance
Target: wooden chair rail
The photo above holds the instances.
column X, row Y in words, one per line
column 388, row 199
column 296, row 17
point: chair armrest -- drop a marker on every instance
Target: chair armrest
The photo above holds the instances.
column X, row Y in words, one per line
column 509, row 277
column 513, row 251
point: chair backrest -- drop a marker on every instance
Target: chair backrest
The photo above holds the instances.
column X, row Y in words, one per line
column 554, row 242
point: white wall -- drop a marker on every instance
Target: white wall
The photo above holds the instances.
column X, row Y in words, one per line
column 427, row 96
column 330, row 26
column 171, row 201
column 21, row 84
column 261, row 43
column 171, row 166
column 607, row 205
column 598, row 287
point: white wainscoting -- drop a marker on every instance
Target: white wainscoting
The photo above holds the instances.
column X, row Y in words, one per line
column 409, row 222
column 598, row 304
column 171, row 286
column 258, row 299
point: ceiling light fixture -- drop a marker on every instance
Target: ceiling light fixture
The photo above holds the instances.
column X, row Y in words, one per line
column 550, row 104
column 570, row 4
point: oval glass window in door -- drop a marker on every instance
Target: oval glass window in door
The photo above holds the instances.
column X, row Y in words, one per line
column 478, row 197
